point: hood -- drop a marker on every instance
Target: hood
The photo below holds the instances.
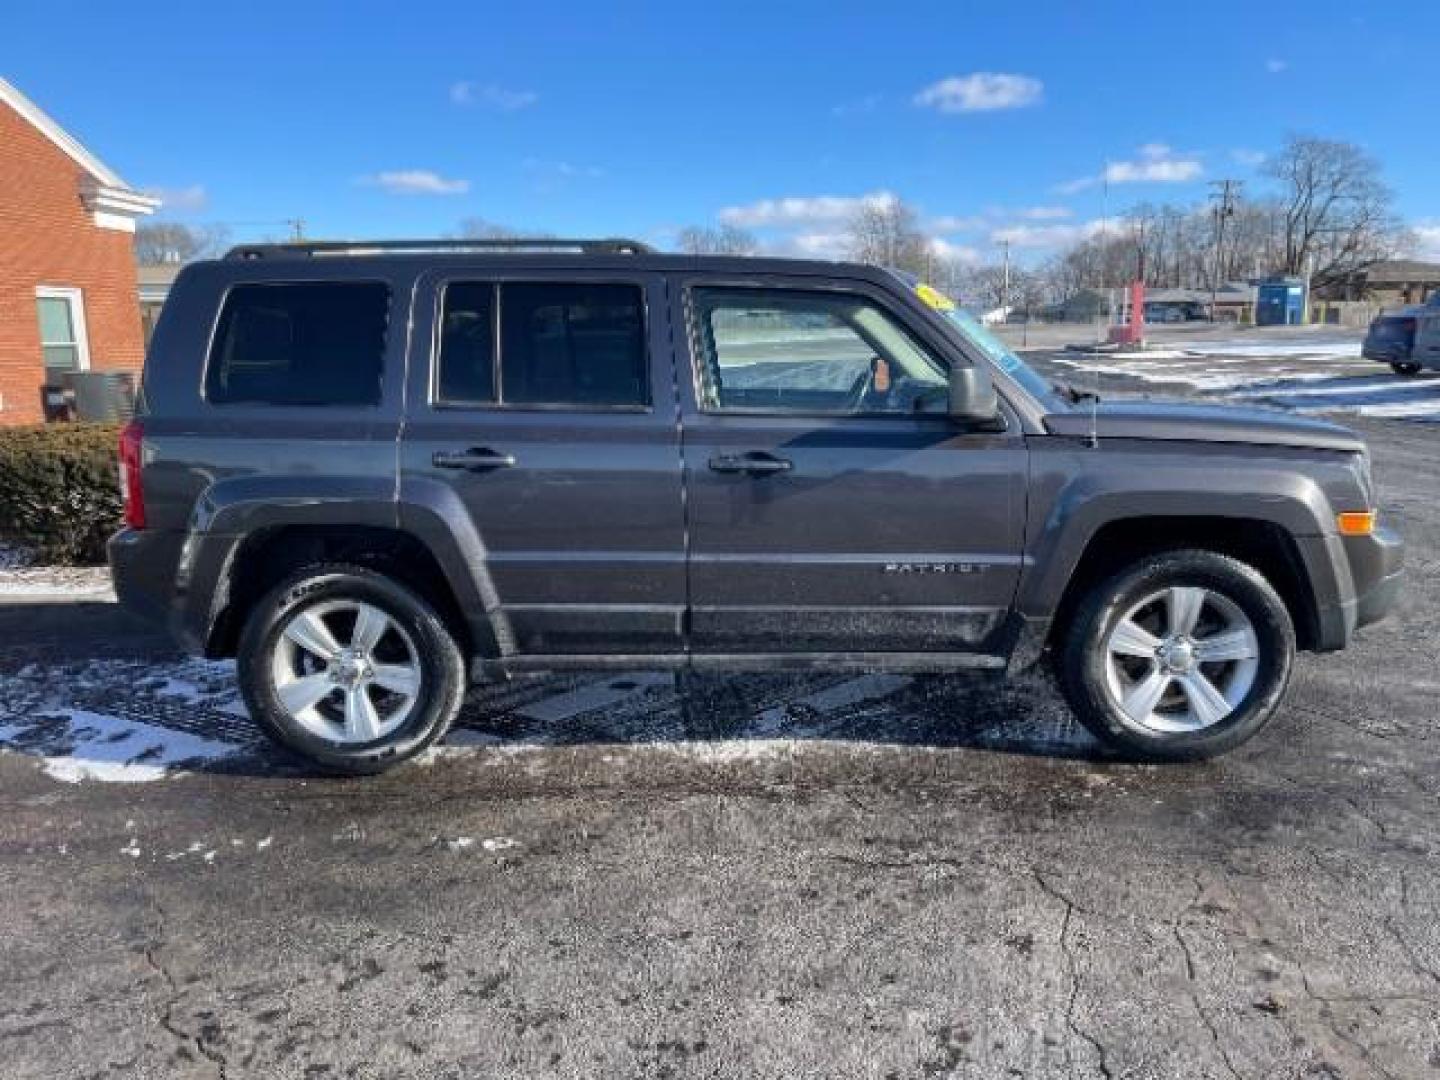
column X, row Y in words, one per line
column 1202, row 423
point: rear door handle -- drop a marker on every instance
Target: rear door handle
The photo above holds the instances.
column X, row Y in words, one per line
column 476, row 459
column 755, row 463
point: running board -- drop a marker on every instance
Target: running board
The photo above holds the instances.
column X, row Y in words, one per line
column 907, row 662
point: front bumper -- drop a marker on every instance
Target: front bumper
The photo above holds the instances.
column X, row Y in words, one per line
column 1378, row 570
column 1385, row 354
column 1357, row 580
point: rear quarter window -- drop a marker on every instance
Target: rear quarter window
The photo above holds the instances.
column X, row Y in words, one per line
column 306, row 343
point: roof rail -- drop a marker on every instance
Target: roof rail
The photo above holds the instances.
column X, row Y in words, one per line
column 616, row 246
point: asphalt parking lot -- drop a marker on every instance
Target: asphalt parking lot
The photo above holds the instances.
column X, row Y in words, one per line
column 771, row 877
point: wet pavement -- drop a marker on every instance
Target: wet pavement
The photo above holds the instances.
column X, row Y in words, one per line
column 874, row 876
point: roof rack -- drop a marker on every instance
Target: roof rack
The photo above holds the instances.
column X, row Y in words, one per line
column 325, row 248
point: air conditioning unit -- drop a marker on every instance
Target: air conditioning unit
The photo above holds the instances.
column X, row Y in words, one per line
column 102, row 395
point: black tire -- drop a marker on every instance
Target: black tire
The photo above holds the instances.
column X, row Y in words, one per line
column 1083, row 658
column 442, row 667
column 1402, row 367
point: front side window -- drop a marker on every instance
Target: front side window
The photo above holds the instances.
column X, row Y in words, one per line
column 559, row 344
column 811, row 352
column 310, row 343
column 62, row 331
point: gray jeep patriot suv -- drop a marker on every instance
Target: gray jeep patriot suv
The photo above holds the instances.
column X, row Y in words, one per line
column 371, row 471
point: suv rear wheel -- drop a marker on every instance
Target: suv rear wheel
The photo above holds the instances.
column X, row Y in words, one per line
column 350, row 669
column 1182, row 656
column 1405, row 367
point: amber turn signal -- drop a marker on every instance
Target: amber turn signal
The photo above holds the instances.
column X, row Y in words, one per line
column 1356, row 523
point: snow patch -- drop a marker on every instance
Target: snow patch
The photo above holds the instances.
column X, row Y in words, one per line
column 1314, row 349
column 75, row 744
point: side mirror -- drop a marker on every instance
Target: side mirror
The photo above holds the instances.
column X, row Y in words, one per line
column 973, row 399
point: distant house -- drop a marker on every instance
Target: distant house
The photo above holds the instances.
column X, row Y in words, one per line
column 67, row 261
column 1178, row 305
column 1084, row 306
column 155, row 280
column 1392, row 283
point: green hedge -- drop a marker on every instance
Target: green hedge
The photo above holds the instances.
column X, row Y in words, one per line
column 60, row 490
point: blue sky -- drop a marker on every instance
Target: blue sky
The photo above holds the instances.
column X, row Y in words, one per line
column 635, row 119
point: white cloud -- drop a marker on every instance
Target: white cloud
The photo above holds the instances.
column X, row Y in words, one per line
column 1275, row 67
column 802, row 210
column 951, row 223
column 1079, row 184
column 1045, row 213
column 1168, row 171
column 982, row 91
column 182, row 199
column 1036, row 236
column 961, row 253
column 1156, row 163
column 816, row 245
column 416, row 182
column 994, row 216
column 1427, row 238
column 1054, row 236
column 1252, row 159
column 490, row 96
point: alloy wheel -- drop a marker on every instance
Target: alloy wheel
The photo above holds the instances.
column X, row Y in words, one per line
column 346, row 671
column 1182, row 659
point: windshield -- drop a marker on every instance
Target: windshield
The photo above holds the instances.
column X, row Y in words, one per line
column 1000, row 355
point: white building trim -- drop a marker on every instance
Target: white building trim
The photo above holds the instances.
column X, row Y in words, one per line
column 76, row 299
column 112, row 203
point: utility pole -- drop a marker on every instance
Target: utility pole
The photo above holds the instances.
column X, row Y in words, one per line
column 297, row 229
column 1140, row 250
column 1224, row 197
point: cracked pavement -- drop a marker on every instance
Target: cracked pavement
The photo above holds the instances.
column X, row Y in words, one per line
column 935, row 880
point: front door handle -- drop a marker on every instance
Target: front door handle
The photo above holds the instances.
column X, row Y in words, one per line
column 755, row 463
column 476, row 459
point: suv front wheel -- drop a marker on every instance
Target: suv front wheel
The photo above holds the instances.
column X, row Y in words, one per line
column 350, row 668
column 1181, row 656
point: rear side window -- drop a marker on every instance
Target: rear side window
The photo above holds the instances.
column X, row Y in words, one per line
column 467, row 343
column 559, row 344
column 312, row 343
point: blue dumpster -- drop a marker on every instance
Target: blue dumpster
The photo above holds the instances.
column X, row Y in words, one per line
column 1280, row 302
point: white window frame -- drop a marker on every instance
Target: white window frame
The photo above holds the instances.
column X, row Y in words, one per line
column 76, row 297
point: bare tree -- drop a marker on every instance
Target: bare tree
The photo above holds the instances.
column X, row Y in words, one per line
column 478, row 228
column 886, row 232
column 1336, row 211
column 173, row 242
column 726, row 240
column 984, row 285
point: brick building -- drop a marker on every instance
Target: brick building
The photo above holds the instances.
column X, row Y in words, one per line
column 68, row 293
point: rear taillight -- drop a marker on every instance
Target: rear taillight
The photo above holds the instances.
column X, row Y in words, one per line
column 130, row 490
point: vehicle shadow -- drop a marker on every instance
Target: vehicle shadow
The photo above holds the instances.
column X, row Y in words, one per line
column 47, row 631
column 1024, row 715
column 94, row 693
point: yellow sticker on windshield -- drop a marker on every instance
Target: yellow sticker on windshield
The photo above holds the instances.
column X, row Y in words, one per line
column 934, row 297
